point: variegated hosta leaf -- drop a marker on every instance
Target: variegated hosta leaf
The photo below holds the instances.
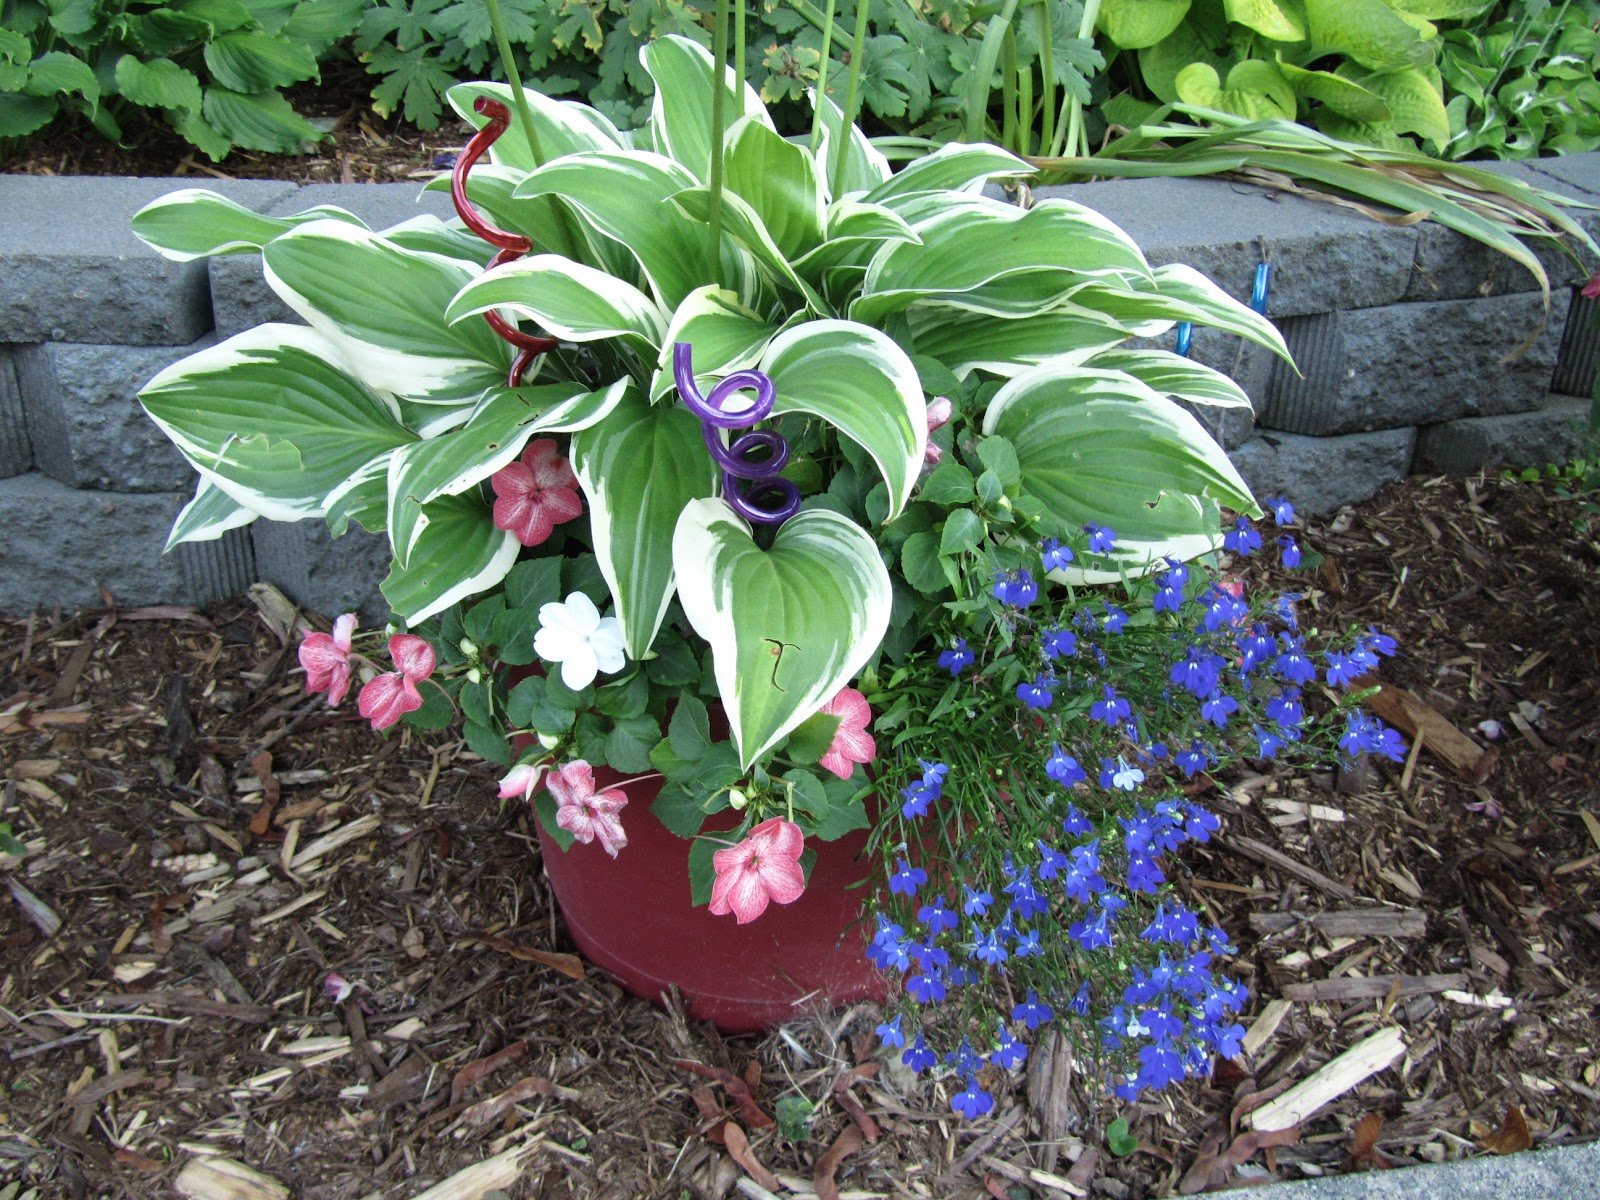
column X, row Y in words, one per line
column 492, row 438
column 780, row 181
column 742, row 226
column 972, row 248
column 1174, row 375
column 271, row 420
column 567, row 300
column 1182, row 294
column 789, row 626
column 207, row 517
column 957, row 166
column 196, row 223
column 383, row 306
column 865, row 167
column 560, row 126
column 623, row 195
column 427, row 234
column 459, row 554
column 363, row 498
column 860, row 382
column 968, row 341
column 1101, row 446
column 726, row 336
column 680, row 112
column 638, row 468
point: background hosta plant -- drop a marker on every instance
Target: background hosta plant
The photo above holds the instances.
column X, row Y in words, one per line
column 873, row 306
column 212, row 68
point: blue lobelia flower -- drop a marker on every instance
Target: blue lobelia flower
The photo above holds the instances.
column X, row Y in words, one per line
column 1063, row 768
column 1222, row 608
column 889, row 1032
column 1075, row 823
column 1282, row 511
column 1032, row 1012
column 1199, row 671
column 1167, row 598
column 1242, row 538
column 1038, row 694
column 1378, row 643
column 1145, row 874
column 918, row 796
column 918, row 1057
column 1159, row 1065
column 1286, row 710
column 1113, row 710
column 1294, row 664
column 1080, row 1002
column 1102, row 538
column 1126, row 778
column 1056, row 556
column 1116, row 619
column 1290, row 556
column 1028, row 945
column 976, row 903
column 907, row 879
column 926, row 989
column 1008, row 1051
column 1193, row 760
column 1267, row 744
column 1092, row 934
column 1058, row 643
column 1018, row 591
column 1342, row 668
column 1218, row 707
column 957, row 659
column 936, row 918
column 973, row 1101
column 987, row 948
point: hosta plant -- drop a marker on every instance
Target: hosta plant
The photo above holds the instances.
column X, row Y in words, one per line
column 765, row 407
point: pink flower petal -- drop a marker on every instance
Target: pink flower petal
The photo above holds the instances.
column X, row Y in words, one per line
column 535, row 495
column 412, row 655
column 1591, row 290
column 851, row 742
column 547, row 467
column 327, row 666
column 764, row 867
column 386, row 698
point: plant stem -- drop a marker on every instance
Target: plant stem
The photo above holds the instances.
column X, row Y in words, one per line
column 719, row 118
column 822, row 75
column 983, row 71
column 858, row 52
column 508, row 60
column 1010, row 100
column 738, row 45
column 1077, row 142
column 825, row 23
column 1047, row 69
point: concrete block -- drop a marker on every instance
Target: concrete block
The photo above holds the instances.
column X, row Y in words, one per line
column 1323, row 256
column 322, row 573
column 1551, row 433
column 1580, row 349
column 88, row 428
column 1247, row 364
column 62, row 545
column 74, row 271
column 16, row 454
column 1411, row 364
column 219, row 569
column 1571, row 1172
column 1577, row 175
column 1321, row 474
column 240, row 297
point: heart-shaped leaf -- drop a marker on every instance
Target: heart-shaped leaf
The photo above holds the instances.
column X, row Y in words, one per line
column 788, row 626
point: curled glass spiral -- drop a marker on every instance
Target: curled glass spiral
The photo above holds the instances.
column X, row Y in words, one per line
column 750, row 462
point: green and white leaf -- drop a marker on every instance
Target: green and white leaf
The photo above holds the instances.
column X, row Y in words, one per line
column 726, row 336
column 363, row 498
column 968, row 341
column 567, row 300
column 789, row 626
column 638, row 468
column 561, row 126
column 207, row 517
column 459, row 554
column 272, row 419
column 743, row 227
column 865, row 167
column 781, row 183
column 384, row 306
column 492, row 438
column 680, row 111
column 864, row 385
column 196, row 223
column 1174, row 375
column 1183, row 294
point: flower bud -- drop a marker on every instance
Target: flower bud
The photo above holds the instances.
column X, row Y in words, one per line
column 469, row 648
column 474, row 676
column 548, row 740
column 737, row 799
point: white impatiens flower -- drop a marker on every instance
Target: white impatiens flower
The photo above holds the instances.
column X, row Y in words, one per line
column 574, row 634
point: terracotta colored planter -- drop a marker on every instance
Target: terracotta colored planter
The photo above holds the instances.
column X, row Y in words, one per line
column 632, row 918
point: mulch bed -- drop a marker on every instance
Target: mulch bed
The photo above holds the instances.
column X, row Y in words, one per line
column 206, row 845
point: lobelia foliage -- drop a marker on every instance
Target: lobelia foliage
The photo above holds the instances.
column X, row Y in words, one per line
column 1053, row 756
column 213, row 68
column 878, row 305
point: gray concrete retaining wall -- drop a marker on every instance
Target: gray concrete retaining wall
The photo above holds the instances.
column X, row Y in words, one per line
column 1401, row 333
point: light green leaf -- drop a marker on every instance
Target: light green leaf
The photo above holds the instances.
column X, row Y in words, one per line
column 746, row 235
column 259, row 121
column 859, row 381
column 788, row 626
column 492, row 438
column 1184, row 294
column 781, row 183
column 680, row 112
column 459, row 554
column 384, row 306
column 1176, row 376
column 1281, row 23
column 1343, row 96
column 1444, row 10
column 1135, row 24
column 856, row 231
column 57, row 72
column 956, row 166
column 1369, row 31
column 159, row 83
column 561, row 126
column 308, row 425
column 726, row 337
column 1101, row 446
column 1415, row 105
column 1254, row 89
column 256, row 62
column 638, row 468
column 195, row 223
column 207, row 517
column 865, row 167
column 567, row 300
column 969, row 341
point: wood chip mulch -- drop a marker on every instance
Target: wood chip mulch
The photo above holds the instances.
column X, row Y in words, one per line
column 211, row 854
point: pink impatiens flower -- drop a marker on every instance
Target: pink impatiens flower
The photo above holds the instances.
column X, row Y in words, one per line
column 521, row 780
column 535, row 494
column 764, row 867
column 584, row 812
column 326, row 659
column 386, row 698
column 852, row 743
column 1591, row 290
column 939, row 411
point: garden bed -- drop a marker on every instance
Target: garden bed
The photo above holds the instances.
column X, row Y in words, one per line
column 164, row 962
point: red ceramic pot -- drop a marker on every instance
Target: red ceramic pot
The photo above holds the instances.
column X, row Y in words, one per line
column 632, row 918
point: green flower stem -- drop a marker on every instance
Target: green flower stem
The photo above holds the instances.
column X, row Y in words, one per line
column 826, row 24
column 719, row 122
column 822, row 74
column 508, row 60
column 1047, row 67
column 858, row 52
column 1075, row 138
column 1012, row 126
column 738, row 42
column 983, row 71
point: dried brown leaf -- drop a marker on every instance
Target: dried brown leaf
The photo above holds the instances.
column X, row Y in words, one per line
column 739, row 1150
column 1364, row 1150
column 569, row 965
column 261, row 764
column 1512, row 1136
column 748, row 1108
column 846, row 1099
column 487, row 1111
column 846, row 1144
column 474, row 1071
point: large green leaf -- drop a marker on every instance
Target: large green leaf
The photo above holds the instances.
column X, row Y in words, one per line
column 865, row 167
column 208, row 516
column 384, row 306
column 1369, row 31
column 1414, row 102
column 789, row 626
column 1269, row 18
column 1343, row 96
column 58, row 72
column 1135, row 24
column 492, row 438
column 1254, row 88
column 1183, row 294
column 21, row 115
column 256, row 62
column 540, row 219
column 459, row 554
column 159, row 83
column 726, row 336
column 856, row 231
column 745, row 235
column 1174, row 375
column 560, row 126
column 957, row 166
column 567, row 300
column 780, row 181
column 968, row 247
column 271, row 419
column 680, row 111
column 196, row 223
column 623, row 195
column 863, row 384
column 968, row 341
column 263, row 121
column 1101, row 446
column 638, row 468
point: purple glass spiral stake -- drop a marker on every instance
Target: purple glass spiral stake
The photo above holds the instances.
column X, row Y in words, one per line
column 779, row 497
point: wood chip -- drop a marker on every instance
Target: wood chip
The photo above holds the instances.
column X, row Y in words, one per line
column 1351, row 922
column 1363, row 1060
column 225, row 1179
column 1376, row 987
column 492, row 1174
column 40, row 913
column 1412, row 716
column 328, row 842
column 1283, row 862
